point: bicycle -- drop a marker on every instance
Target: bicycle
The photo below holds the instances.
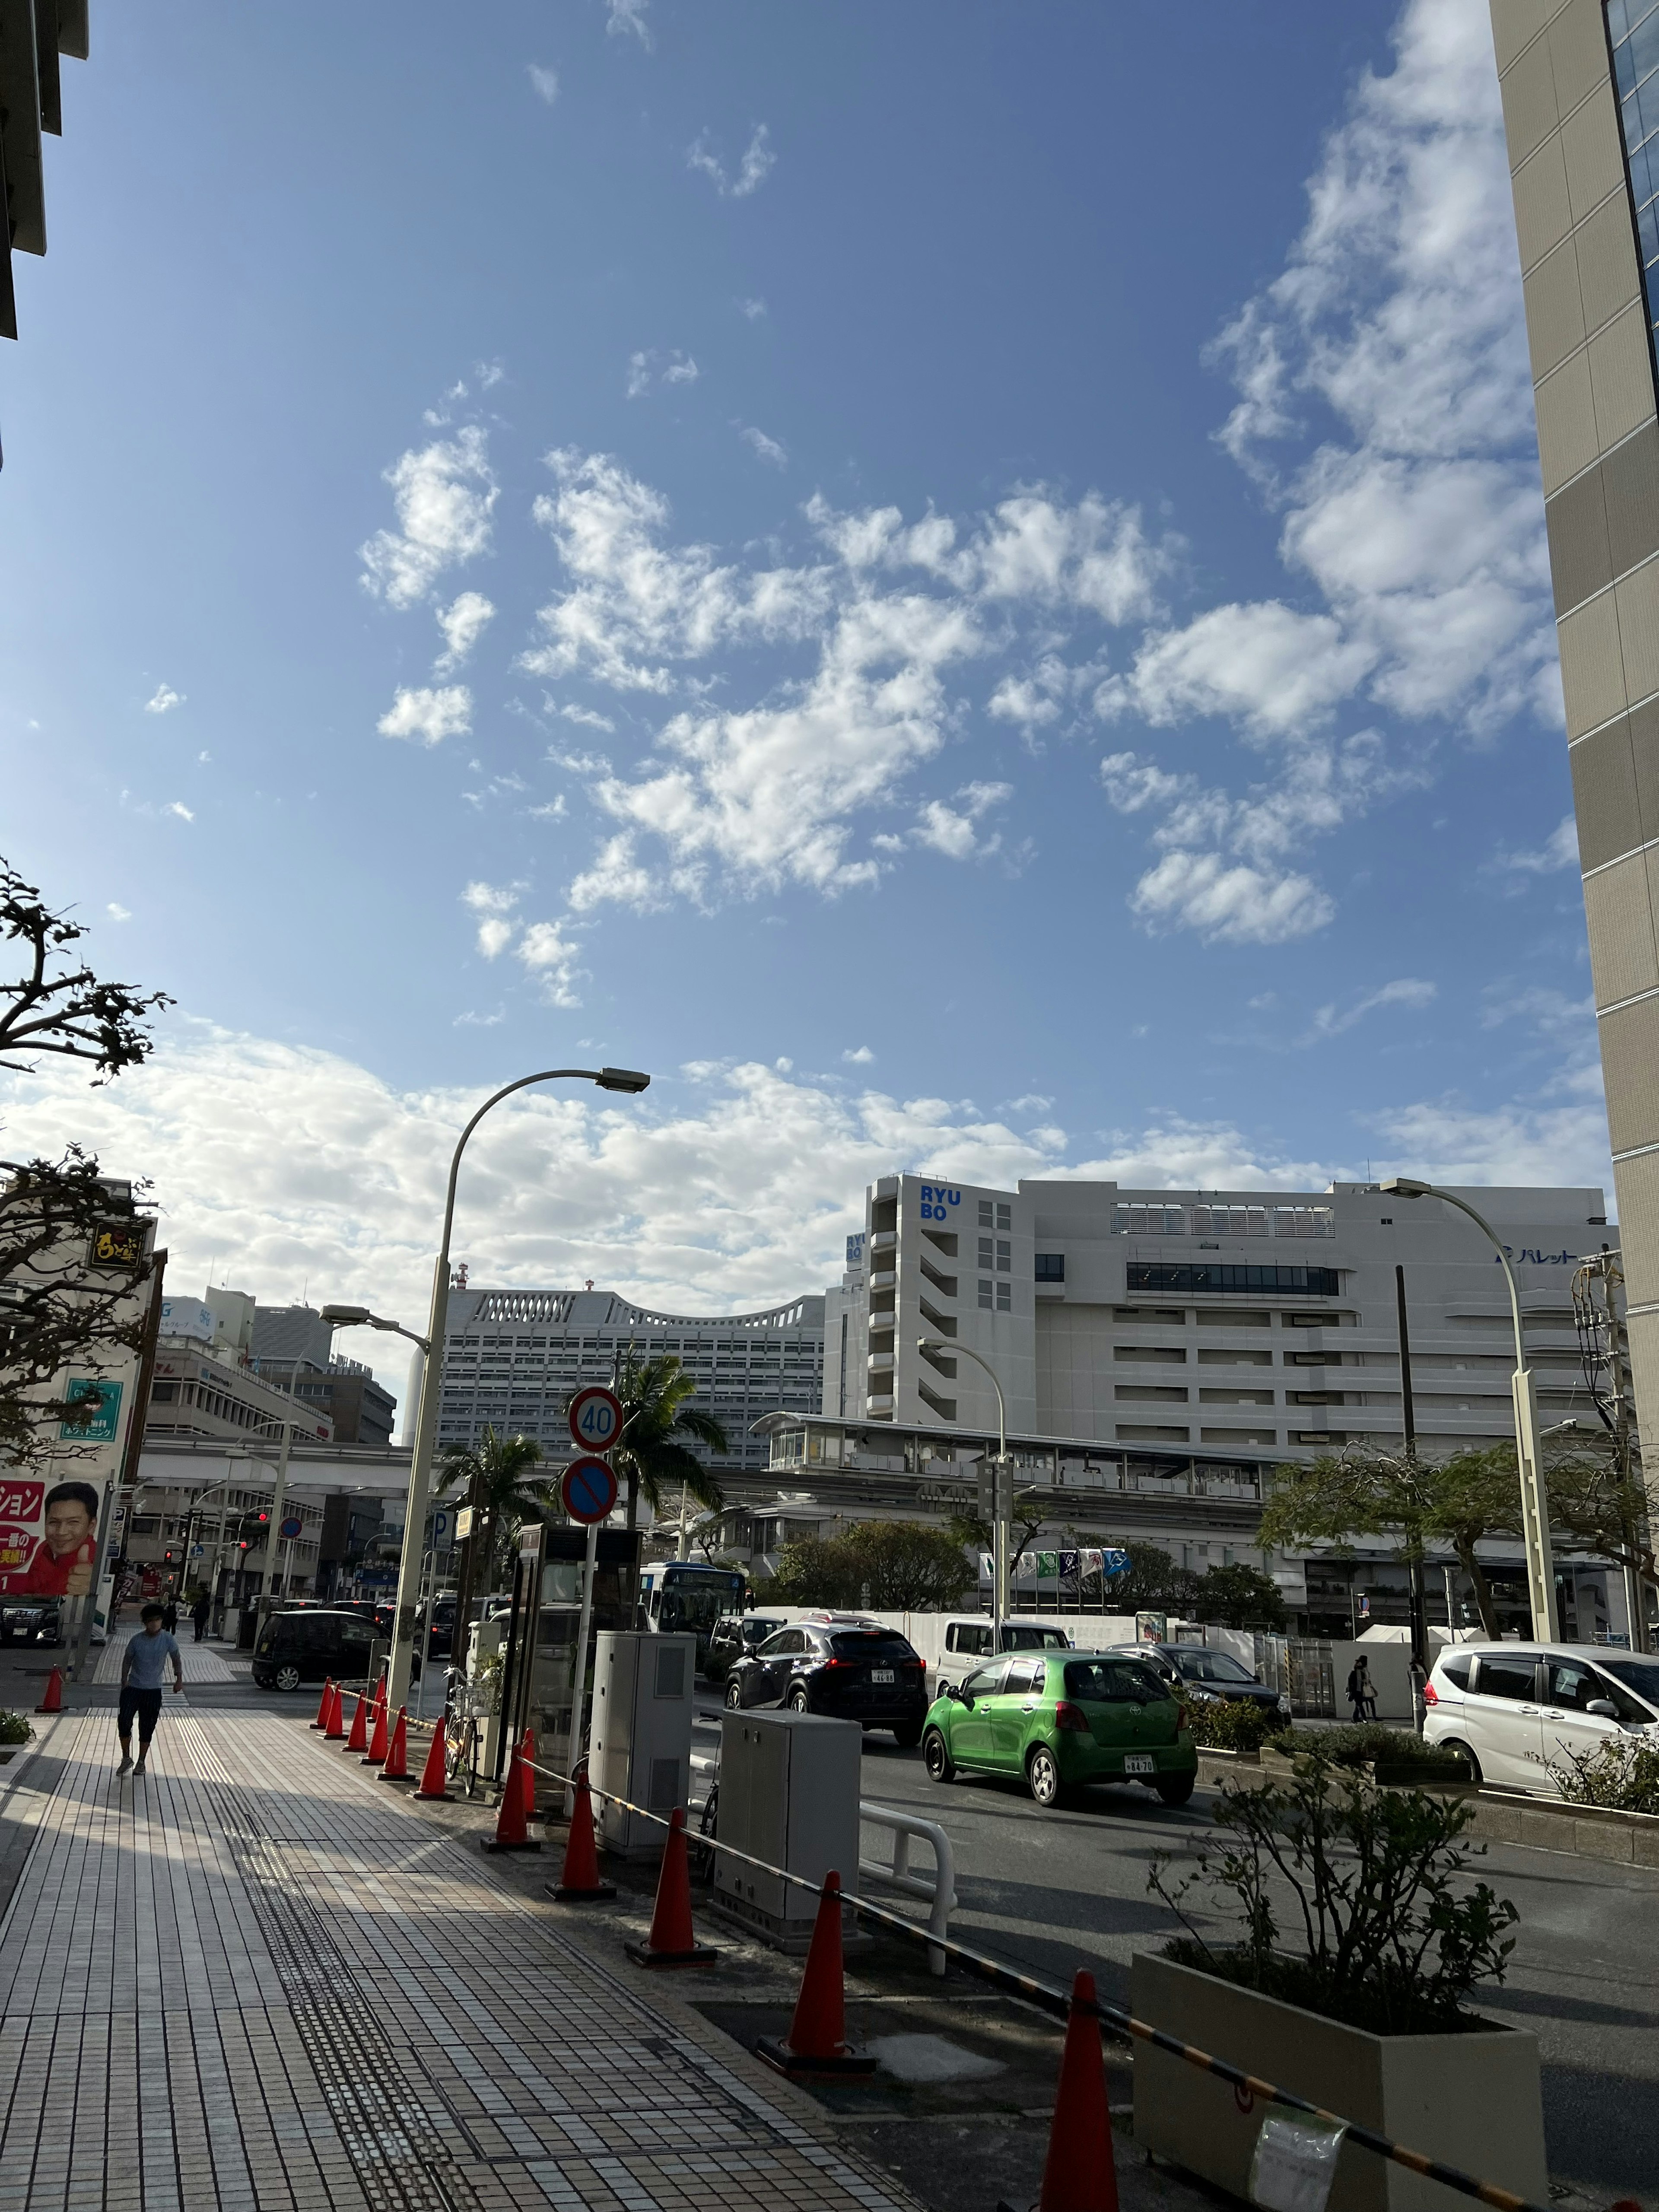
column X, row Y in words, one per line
column 464, row 1740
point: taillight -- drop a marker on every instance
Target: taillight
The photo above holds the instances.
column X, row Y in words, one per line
column 1431, row 1695
column 1068, row 1715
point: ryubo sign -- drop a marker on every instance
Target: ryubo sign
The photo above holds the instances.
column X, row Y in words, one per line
column 937, row 1201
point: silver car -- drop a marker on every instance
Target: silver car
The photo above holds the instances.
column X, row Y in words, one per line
column 1515, row 1710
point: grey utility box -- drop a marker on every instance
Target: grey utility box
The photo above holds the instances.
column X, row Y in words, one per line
column 789, row 1795
column 641, row 1733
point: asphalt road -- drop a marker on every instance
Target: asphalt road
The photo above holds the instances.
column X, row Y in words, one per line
column 1051, row 1891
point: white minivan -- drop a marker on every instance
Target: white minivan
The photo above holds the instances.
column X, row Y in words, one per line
column 1515, row 1710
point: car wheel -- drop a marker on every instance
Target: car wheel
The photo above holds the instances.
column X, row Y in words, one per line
column 1457, row 1745
column 734, row 1693
column 906, row 1735
column 1175, row 1788
column 1043, row 1778
column 797, row 1699
column 287, row 1678
column 936, row 1757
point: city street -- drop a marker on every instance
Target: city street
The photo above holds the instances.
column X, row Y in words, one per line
column 1051, row 1891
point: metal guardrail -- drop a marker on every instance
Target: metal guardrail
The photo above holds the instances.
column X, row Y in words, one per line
column 939, row 1893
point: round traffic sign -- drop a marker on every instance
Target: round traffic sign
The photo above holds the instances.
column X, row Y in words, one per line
column 588, row 1490
column 291, row 1527
column 596, row 1418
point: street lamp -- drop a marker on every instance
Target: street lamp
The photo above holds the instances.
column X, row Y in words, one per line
column 1000, row 1487
column 1534, row 1505
column 625, row 1079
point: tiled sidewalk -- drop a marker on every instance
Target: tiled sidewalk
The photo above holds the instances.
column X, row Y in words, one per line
column 202, row 1661
column 257, row 1978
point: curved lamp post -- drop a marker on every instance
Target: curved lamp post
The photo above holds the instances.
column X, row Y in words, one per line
column 1002, row 1485
column 1534, row 1504
column 426, row 1427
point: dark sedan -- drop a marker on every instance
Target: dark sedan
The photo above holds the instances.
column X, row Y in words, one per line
column 1203, row 1676
column 30, row 1620
column 871, row 1675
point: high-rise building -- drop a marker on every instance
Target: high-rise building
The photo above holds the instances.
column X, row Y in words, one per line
column 294, row 1347
column 1581, row 112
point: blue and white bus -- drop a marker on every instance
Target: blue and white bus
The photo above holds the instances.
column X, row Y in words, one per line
column 682, row 1597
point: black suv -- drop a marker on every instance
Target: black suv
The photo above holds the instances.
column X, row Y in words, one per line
column 847, row 1670
column 31, row 1620
column 732, row 1639
column 307, row 1645
column 1194, row 1672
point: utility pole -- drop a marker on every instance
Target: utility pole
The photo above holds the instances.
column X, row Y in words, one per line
column 1419, row 1594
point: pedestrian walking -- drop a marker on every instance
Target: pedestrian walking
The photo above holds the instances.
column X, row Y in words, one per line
column 170, row 1616
column 198, row 1614
column 143, row 1673
column 1359, row 1693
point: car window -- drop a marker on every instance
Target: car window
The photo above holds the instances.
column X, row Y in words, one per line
column 870, row 1646
column 756, row 1632
column 1456, row 1672
column 783, row 1641
column 984, row 1681
column 1211, row 1667
column 1507, row 1678
column 1570, row 1682
column 1113, row 1681
column 1024, row 1676
column 968, row 1636
column 1641, row 1675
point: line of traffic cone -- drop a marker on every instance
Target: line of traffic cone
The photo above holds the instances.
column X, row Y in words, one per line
column 1079, row 2174
column 358, row 1740
column 435, row 1775
column 380, row 1741
column 334, row 1726
column 323, row 1709
column 580, row 1883
column 672, row 1940
column 54, row 1700
column 817, row 2042
column 511, row 1826
column 396, row 1768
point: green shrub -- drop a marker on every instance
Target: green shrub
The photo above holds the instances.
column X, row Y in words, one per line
column 1622, row 1774
column 1389, row 1751
column 14, row 1728
column 1229, row 1724
column 1396, row 1936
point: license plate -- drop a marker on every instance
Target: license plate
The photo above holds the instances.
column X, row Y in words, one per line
column 883, row 1675
column 1139, row 1762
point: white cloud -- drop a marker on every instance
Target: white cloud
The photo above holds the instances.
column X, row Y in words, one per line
column 1276, row 670
column 681, row 369
column 1450, row 1141
column 117, row 913
column 627, row 17
column 615, row 878
column 178, row 806
column 551, row 957
column 587, row 718
column 642, row 370
column 952, row 830
column 493, row 903
column 444, row 496
column 1559, row 850
column 463, row 624
column 768, row 449
column 753, row 309
column 545, row 82
column 860, row 1056
column 165, row 699
column 639, row 375
column 1235, row 904
column 1404, row 991
column 757, row 161
column 430, row 715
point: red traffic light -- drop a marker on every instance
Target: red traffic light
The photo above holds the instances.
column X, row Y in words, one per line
column 263, row 1517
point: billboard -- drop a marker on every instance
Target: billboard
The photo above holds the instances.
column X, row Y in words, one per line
column 48, row 1536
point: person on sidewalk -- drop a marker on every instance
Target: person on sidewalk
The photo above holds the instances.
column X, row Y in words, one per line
column 1359, row 1691
column 198, row 1614
column 143, row 1673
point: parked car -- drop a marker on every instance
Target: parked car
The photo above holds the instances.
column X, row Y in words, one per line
column 1202, row 1676
column 733, row 1637
column 304, row 1645
column 851, row 1671
column 1063, row 1720
column 1512, row 1710
column 30, row 1620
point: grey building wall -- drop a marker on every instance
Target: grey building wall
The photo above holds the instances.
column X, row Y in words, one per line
column 1589, row 329
column 285, row 1334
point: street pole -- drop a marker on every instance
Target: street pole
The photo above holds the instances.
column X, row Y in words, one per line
column 1534, row 1504
column 268, row 1572
column 578, row 1665
column 1001, row 1488
column 426, row 1426
column 1414, row 1565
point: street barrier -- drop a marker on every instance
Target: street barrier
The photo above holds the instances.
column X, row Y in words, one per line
column 321, row 1721
column 396, row 1767
column 672, row 1940
column 1080, row 2174
column 1061, row 2004
column 939, row 1894
column 358, row 1740
column 817, row 2042
column 379, row 1740
column 434, row 1776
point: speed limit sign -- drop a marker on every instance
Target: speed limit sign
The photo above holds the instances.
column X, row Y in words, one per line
column 596, row 1418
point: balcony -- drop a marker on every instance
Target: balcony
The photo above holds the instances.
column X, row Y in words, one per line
column 885, row 1240
column 887, row 1280
column 879, row 1363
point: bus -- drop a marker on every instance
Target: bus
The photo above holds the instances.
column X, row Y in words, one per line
column 682, row 1597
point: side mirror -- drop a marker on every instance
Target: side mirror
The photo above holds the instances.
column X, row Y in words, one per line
column 1603, row 1708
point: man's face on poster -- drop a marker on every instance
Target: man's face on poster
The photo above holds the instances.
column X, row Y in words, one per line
column 69, row 1525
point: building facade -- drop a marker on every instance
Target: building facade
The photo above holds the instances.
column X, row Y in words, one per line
column 203, row 1386
column 1581, row 109
column 512, row 1358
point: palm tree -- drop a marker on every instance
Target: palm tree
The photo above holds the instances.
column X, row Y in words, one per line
column 505, row 1494
column 652, row 1455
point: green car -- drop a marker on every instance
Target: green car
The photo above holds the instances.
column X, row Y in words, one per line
column 1061, row 1719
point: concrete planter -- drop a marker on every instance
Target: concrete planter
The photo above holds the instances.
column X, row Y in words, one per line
column 1472, row 2100
column 1547, row 1824
column 1277, row 1766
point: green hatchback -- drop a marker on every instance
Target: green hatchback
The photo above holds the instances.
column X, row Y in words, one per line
column 1061, row 1719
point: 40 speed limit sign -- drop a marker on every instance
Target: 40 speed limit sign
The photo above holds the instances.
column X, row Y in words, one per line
column 596, row 1418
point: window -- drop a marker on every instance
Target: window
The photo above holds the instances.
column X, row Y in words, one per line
column 1051, row 1267
column 968, row 1636
column 1568, row 1683
column 1005, row 1216
column 985, row 1681
column 1456, row 1672
column 1004, row 1297
column 1113, row 1681
column 985, row 1292
column 986, row 1251
column 1147, row 1221
column 1515, row 1679
column 1230, row 1221
column 1304, row 1221
column 1633, row 32
column 1026, row 1678
column 1005, row 1256
column 985, row 1220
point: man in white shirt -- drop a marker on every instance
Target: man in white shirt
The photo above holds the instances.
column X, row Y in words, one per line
column 143, row 1673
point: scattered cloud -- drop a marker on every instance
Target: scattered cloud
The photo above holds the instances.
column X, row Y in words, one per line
column 1236, row 904
column 615, row 878
column 953, row 831
column 471, row 1020
column 463, row 624
column 430, row 715
column 586, row 717
column 643, row 371
column 753, row 309
column 626, row 18
column 862, row 1056
column 118, row 912
column 165, row 700
column 493, row 903
column 551, row 957
column 178, row 806
column 1405, row 991
column 444, row 496
column 1559, row 850
column 757, row 161
column 545, row 82
column 768, row 449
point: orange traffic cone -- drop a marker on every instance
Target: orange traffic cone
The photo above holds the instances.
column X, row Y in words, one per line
column 358, row 1740
column 378, row 1743
column 396, row 1768
column 321, row 1721
column 435, row 1773
column 672, row 1941
column 817, row 2040
column 379, row 1689
column 1078, row 2175
column 580, row 1880
column 527, row 1772
column 334, row 1727
column 54, row 1700
column 511, row 1832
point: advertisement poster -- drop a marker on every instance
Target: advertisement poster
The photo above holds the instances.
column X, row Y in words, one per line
column 48, row 1536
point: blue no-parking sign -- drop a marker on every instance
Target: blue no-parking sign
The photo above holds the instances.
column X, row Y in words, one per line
column 588, row 1490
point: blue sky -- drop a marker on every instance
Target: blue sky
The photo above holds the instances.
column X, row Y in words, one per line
column 966, row 585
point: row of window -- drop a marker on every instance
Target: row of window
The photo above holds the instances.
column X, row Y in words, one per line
column 1633, row 28
column 994, row 1214
column 1003, row 1300
column 1223, row 1221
